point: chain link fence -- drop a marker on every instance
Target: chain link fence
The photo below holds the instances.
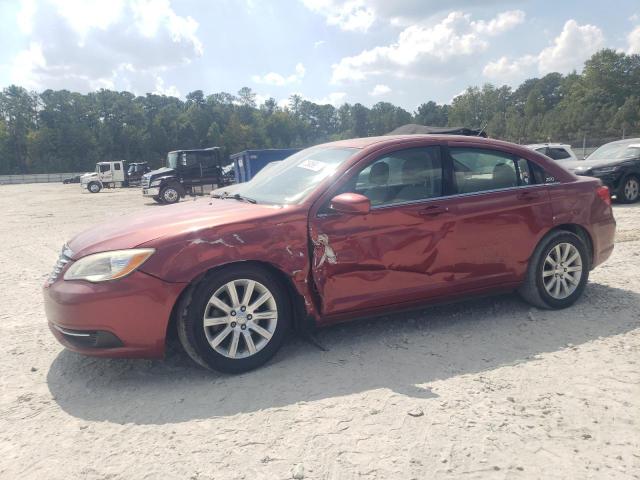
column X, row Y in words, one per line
column 37, row 178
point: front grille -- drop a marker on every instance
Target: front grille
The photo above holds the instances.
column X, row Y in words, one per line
column 63, row 259
column 145, row 182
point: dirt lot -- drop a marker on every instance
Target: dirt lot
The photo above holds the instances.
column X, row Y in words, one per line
column 484, row 389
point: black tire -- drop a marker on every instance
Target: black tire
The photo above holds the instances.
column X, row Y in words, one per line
column 533, row 290
column 157, row 199
column 170, row 194
column 94, row 187
column 191, row 330
column 629, row 191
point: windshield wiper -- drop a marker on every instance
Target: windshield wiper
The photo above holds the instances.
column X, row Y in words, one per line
column 242, row 198
column 235, row 196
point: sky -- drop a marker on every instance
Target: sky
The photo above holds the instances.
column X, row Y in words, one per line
column 406, row 52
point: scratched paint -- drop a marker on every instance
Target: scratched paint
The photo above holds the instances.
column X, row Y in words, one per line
column 328, row 255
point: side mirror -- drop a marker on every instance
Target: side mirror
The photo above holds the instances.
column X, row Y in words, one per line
column 351, row 203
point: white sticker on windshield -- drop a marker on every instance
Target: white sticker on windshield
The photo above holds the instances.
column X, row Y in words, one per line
column 313, row 165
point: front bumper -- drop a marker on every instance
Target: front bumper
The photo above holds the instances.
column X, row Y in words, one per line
column 151, row 192
column 122, row 318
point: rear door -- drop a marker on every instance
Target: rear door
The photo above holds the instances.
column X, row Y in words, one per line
column 501, row 215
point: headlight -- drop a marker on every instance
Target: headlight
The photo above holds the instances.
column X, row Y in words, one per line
column 104, row 266
column 597, row 171
column 155, row 183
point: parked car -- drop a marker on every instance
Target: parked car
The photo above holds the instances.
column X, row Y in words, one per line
column 74, row 179
column 617, row 164
column 337, row 231
column 556, row 151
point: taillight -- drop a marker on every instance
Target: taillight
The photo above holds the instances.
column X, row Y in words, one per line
column 603, row 193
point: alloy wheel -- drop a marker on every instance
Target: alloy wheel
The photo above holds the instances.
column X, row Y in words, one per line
column 170, row 195
column 631, row 189
column 562, row 270
column 240, row 318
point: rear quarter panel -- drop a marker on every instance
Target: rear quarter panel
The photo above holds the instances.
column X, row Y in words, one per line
column 577, row 202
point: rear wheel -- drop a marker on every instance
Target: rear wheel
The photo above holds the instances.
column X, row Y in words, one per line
column 94, row 187
column 629, row 190
column 237, row 319
column 558, row 271
column 170, row 195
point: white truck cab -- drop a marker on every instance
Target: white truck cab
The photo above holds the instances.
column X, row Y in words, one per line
column 556, row 151
column 107, row 175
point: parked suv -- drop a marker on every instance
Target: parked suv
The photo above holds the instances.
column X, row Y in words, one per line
column 556, row 151
column 617, row 164
column 337, row 231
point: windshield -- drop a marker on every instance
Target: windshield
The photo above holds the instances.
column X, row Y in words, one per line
column 172, row 160
column 617, row 151
column 291, row 180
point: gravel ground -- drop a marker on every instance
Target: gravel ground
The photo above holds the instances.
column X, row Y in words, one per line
column 488, row 388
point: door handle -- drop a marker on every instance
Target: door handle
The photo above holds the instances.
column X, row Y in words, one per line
column 528, row 196
column 433, row 210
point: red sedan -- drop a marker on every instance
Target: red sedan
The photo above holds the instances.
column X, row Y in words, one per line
column 337, row 231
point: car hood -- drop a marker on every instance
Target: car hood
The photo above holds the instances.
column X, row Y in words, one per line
column 167, row 220
column 161, row 172
column 582, row 165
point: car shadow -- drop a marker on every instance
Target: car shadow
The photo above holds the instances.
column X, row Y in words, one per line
column 402, row 353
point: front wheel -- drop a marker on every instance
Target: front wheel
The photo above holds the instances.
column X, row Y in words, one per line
column 558, row 271
column 170, row 195
column 630, row 190
column 237, row 319
column 94, row 187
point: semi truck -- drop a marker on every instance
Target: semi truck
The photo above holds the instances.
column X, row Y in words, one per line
column 186, row 172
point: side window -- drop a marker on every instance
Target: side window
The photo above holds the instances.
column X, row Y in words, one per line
column 558, row 153
column 105, row 168
column 539, row 174
column 478, row 170
column 403, row 176
column 116, row 166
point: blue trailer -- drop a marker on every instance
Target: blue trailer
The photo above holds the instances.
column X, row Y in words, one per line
column 246, row 164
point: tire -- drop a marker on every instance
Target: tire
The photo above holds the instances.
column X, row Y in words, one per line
column 629, row 191
column 94, row 187
column 212, row 346
column 157, row 199
column 170, row 195
column 541, row 291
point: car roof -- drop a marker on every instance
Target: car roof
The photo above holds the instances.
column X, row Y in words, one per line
column 626, row 141
column 538, row 145
column 393, row 139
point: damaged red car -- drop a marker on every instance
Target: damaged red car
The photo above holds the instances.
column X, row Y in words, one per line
column 337, row 231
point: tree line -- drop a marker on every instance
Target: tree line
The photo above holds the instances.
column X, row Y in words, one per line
column 62, row 131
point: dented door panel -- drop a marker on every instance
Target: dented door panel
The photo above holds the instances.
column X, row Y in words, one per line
column 391, row 255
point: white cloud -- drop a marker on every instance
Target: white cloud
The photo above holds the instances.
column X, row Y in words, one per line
column 169, row 90
column 569, row 50
column 379, row 90
column 319, row 43
column 275, row 79
column 83, row 45
column 351, row 15
column 423, row 47
column 634, row 40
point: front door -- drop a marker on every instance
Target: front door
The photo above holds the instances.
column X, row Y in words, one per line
column 399, row 252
